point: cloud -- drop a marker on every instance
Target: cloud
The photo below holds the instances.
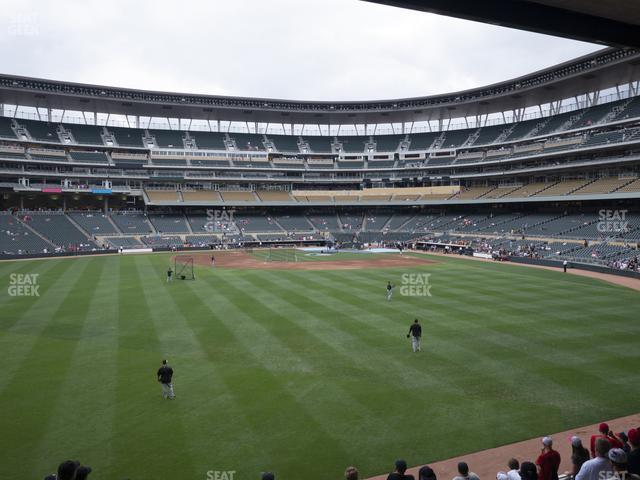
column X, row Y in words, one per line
column 294, row 49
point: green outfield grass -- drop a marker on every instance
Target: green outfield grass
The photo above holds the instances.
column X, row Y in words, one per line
column 300, row 372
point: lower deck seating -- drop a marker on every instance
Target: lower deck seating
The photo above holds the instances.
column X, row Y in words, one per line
column 169, row 223
column 125, row 242
column 94, row 223
column 57, row 228
column 256, row 223
column 132, row 222
column 294, row 223
column 17, row 239
column 162, row 241
column 325, row 222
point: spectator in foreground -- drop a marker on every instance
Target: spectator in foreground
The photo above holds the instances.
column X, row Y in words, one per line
column 599, row 467
column 618, row 459
column 268, row 476
column 633, row 458
column 624, row 439
column 426, row 473
column 351, row 473
column 528, row 471
column 66, row 470
column 579, row 455
column 607, row 434
column 464, row 474
column 514, row 466
column 82, row 473
column 399, row 472
column 548, row 461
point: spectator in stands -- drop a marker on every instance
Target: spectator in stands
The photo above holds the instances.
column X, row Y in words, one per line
column 399, row 472
column 426, row 473
column 598, row 467
column 633, row 458
column 514, row 466
column 351, row 473
column 548, row 461
column 528, row 471
column 579, row 455
column 607, row 434
column 464, row 474
column 618, row 458
column 624, row 439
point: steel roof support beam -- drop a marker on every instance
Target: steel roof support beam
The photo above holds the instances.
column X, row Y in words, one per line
column 531, row 16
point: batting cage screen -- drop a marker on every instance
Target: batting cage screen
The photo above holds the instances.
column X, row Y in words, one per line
column 184, row 268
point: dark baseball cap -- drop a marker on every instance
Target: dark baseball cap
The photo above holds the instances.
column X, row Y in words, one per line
column 401, row 465
column 268, row 476
column 67, row 469
column 83, row 472
column 426, row 473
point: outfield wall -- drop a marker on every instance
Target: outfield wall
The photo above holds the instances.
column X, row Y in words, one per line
column 574, row 265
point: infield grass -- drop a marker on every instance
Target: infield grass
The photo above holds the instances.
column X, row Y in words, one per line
column 301, row 372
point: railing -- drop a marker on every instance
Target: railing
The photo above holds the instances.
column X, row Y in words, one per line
column 59, row 116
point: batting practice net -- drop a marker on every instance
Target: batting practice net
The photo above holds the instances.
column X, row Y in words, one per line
column 183, row 268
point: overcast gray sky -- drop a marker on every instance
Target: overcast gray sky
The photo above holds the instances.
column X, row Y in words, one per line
column 296, row 49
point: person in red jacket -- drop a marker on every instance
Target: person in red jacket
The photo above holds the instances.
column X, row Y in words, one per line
column 548, row 462
column 607, row 434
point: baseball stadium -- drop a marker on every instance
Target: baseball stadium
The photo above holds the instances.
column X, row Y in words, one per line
column 376, row 286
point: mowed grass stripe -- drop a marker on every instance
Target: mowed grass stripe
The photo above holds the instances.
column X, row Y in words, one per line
column 237, row 381
column 400, row 399
column 220, row 435
column 135, row 434
column 159, row 416
column 354, row 333
column 25, row 327
column 50, row 357
column 274, row 377
column 21, row 308
column 86, row 408
column 206, row 403
column 364, row 434
column 306, row 372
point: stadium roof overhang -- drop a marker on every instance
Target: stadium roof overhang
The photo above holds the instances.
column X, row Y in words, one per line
column 607, row 22
column 595, row 72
